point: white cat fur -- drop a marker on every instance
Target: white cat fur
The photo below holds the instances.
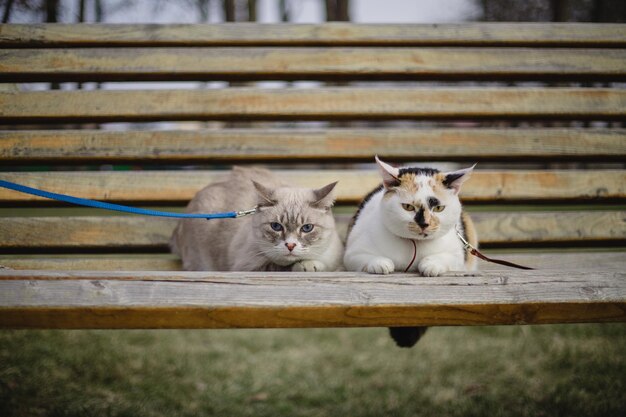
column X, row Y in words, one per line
column 380, row 239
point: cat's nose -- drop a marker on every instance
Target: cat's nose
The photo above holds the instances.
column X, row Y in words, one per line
column 420, row 219
column 290, row 246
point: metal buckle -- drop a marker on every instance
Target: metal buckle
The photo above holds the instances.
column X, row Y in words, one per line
column 243, row 213
column 466, row 244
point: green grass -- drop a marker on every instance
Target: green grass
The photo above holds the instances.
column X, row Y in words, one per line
column 565, row 370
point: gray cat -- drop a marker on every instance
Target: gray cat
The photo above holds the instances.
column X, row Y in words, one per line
column 294, row 229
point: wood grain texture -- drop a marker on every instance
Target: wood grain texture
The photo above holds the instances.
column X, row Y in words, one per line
column 551, row 227
column 93, row 262
column 210, row 64
column 42, row 299
column 180, row 186
column 252, row 145
column 121, row 233
column 334, row 34
column 537, row 259
column 313, row 104
column 114, row 233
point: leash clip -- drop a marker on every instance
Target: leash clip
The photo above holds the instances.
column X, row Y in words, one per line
column 466, row 244
column 243, row 213
column 472, row 250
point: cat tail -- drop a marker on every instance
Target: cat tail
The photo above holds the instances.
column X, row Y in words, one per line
column 406, row 337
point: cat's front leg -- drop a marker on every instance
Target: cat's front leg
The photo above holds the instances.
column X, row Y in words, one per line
column 380, row 265
column 369, row 263
column 439, row 264
column 308, row 265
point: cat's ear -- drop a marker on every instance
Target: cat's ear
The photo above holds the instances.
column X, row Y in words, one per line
column 389, row 173
column 265, row 195
column 455, row 179
column 323, row 197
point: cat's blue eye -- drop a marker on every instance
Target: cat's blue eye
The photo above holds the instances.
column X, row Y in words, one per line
column 307, row 228
column 277, row 227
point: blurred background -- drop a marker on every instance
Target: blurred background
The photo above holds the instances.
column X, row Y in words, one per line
column 560, row 370
column 310, row 11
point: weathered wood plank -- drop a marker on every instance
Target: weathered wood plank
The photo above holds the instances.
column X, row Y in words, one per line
column 144, row 262
column 228, row 145
column 41, row 299
column 180, row 186
column 313, row 104
column 551, row 227
column 574, row 259
column 207, row 64
column 110, row 234
column 335, row 34
column 120, row 233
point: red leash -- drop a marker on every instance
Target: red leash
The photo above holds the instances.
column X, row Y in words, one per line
column 472, row 250
column 468, row 246
column 414, row 255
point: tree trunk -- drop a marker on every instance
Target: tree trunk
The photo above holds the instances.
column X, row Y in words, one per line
column 229, row 10
column 52, row 11
column 7, row 11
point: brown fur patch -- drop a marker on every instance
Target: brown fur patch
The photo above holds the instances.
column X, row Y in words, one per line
column 431, row 219
column 439, row 177
column 439, row 189
column 407, row 182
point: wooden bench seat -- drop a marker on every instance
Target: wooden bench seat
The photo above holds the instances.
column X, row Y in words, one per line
column 260, row 300
column 540, row 107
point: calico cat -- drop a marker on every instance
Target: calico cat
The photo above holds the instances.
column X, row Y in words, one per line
column 409, row 224
column 293, row 230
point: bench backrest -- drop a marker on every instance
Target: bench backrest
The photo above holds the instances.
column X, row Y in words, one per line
column 540, row 106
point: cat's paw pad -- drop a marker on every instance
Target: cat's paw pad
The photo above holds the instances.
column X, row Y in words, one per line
column 308, row 266
column 380, row 265
column 432, row 268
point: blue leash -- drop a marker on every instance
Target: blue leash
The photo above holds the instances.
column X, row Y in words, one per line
column 118, row 207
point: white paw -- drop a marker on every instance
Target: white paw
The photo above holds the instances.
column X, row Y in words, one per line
column 432, row 268
column 308, row 266
column 380, row 265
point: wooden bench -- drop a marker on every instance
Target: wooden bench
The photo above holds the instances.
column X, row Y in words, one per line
column 540, row 107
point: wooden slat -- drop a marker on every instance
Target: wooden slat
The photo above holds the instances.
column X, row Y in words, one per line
column 574, row 259
column 206, row 64
column 180, row 186
column 228, row 145
column 119, row 233
column 39, row 299
column 576, row 227
column 313, row 104
column 108, row 234
column 335, row 34
column 560, row 261
column 107, row 262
